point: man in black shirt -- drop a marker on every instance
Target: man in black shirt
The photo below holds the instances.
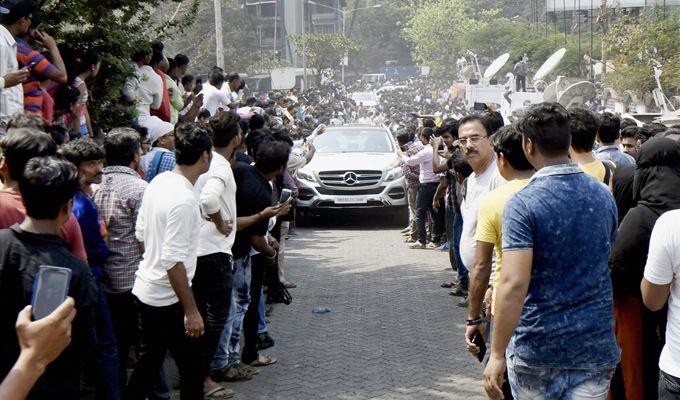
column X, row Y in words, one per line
column 253, row 205
column 47, row 188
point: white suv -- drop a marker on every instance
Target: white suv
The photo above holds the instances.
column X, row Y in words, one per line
column 352, row 169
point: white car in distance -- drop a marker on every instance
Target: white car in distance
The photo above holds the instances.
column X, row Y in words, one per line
column 353, row 168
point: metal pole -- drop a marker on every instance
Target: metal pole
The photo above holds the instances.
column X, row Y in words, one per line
column 276, row 20
column 546, row 18
column 578, row 21
column 564, row 15
column 592, row 68
column 219, row 48
column 555, row 19
column 304, row 48
column 344, row 34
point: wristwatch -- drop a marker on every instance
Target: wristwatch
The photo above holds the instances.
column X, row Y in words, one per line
column 473, row 322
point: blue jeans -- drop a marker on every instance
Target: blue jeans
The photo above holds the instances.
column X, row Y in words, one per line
column 463, row 273
column 107, row 362
column 558, row 384
column 227, row 351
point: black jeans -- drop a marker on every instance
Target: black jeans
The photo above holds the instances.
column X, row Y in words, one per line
column 125, row 319
column 426, row 192
column 212, row 286
column 163, row 330
column 669, row 387
column 251, row 320
column 521, row 83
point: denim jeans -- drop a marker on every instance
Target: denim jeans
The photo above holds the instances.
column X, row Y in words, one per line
column 669, row 387
column 106, row 360
column 426, row 192
column 558, row 384
column 227, row 352
column 262, row 325
column 463, row 273
column 251, row 322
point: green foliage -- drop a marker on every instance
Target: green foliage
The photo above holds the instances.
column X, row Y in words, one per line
column 115, row 29
column 324, row 50
column 632, row 43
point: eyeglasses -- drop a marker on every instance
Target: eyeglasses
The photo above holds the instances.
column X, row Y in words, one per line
column 472, row 140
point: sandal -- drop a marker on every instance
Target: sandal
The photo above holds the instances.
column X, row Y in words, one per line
column 248, row 369
column 263, row 361
column 447, row 284
column 289, row 285
column 240, row 376
column 214, row 393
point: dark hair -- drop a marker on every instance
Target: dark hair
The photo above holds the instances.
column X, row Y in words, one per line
column 65, row 97
column 255, row 138
column 121, row 145
column 271, row 155
column 187, row 78
column 429, row 123
column 181, row 60
column 20, row 145
column 143, row 50
column 427, row 133
column 508, row 141
column 403, row 138
column 256, row 122
column 157, row 56
column 171, row 64
column 650, row 130
column 28, row 121
column 478, row 118
column 81, row 150
column 610, row 127
column 216, row 78
column 495, row 120
column 547, row 126
column 626, row 122
column 83, row 62
column 451, row 128
column 204, row 113
column 58, row 134
column 584, row 127
column 459, row 164
column 191, row 141
column 225, row 127
column 46, row 185
column 232, row 77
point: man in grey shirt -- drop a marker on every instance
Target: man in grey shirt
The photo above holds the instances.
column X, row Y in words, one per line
column 610, row 127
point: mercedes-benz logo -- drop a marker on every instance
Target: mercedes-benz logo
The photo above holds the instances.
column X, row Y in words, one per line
column 350, row 178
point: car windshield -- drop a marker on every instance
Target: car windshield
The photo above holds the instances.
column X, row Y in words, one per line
column 354, row 141
column 363, row 97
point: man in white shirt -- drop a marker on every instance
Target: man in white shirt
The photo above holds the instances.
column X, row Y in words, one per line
column 214, row 99
column 213, row 281
column 661, row 279
column 168, row 228
column 427, row 187
column 474, row 137
column 11, row 93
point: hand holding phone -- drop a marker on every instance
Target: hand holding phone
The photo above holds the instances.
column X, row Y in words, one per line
column 50, row 289
column 285, row 195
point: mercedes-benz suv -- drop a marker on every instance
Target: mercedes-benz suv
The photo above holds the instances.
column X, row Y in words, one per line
column 353, row 168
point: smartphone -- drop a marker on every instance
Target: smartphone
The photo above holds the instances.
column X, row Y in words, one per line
column 479, row 106
column 50, row 289
column 285, row 195
column 478, row 340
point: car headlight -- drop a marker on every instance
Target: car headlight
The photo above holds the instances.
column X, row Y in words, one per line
column 306, row 175
column 394, row 174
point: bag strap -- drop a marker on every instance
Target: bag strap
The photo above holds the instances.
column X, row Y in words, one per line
column 608, row 168
column 155, row 164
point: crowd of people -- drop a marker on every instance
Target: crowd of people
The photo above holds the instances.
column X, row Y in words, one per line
column 561, row 227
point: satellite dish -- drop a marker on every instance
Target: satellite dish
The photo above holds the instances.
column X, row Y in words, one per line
column 550, row 64
column 577, row 94
column 550, row 93
column 496, row 66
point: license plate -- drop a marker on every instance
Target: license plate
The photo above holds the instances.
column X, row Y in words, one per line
column 351, row 200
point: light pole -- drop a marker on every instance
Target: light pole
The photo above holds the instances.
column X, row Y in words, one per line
column 344, row 18
column 219, row 48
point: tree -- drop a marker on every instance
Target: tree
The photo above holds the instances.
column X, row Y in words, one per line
column 115, row 29
column 324, row 50
column 632, row 43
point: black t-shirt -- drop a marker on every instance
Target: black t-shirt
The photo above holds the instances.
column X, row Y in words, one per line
column 21, row 255
column 253, row 194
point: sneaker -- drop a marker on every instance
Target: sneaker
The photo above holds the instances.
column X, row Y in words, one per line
column 418, row 246
column 459, row 291
column 409, row 240
column 264, row 341
column 463, row 303
column 431, row 246
column 406, row 230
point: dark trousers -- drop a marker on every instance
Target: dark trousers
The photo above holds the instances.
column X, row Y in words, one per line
column 106, row 362
column 163, row 330
column 521, row 83
column 125, row 319
column 212, row 286
column 251, row 320
column 669, row 387
column 463, row 273
column 426, row 192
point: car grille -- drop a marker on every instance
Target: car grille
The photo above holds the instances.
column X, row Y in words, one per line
column 350, row 179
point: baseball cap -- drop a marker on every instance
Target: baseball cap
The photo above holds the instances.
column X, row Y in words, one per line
column 17, row 9
column 3, row 10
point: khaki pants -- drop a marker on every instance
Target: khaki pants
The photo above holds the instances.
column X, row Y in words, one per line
column 285, row 226
column 412, row 193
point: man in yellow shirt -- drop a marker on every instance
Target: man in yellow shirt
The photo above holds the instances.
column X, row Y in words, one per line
column 516, row 169
column 584, row 126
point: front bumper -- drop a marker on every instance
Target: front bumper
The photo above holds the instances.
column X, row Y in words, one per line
column 313, row 195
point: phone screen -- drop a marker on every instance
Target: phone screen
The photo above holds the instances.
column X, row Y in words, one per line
column 285, row 195
column 49, row 290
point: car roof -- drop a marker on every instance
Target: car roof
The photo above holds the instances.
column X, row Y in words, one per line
column 350, row 126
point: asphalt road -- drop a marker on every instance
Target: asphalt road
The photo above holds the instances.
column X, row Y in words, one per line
column 393, row 333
